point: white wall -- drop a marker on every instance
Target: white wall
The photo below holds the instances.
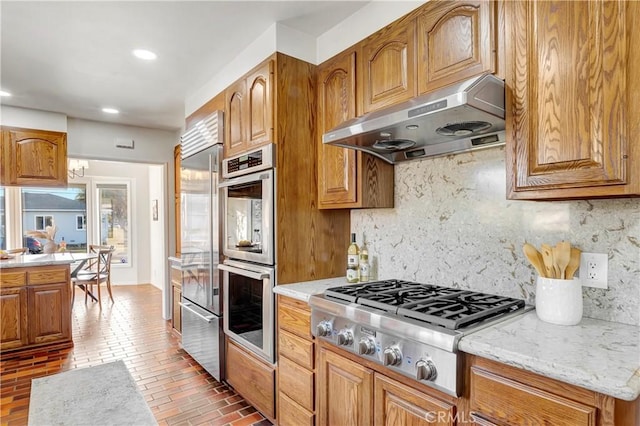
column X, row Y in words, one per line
column 32, row 119
column 281, row 38
column 158, row 230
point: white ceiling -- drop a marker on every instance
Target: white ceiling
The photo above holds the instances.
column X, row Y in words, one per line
column 75, row 57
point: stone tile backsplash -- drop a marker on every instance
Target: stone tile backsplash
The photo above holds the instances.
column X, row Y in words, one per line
column 452, row 225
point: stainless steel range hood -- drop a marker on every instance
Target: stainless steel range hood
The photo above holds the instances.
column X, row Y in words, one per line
column 457, row 118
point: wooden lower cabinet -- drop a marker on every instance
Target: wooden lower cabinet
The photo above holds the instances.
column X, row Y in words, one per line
column 345, row 391
column 296, row 364
column 252, row 378
column 503, row 395
column 35, row 307
column 175, row 270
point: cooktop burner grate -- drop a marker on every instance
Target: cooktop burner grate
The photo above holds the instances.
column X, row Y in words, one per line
column 448, row 307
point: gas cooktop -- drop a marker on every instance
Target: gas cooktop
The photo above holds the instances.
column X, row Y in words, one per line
column 447, row 307
column 408, row 327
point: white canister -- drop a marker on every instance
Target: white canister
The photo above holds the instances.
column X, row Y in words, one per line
column 559, row 301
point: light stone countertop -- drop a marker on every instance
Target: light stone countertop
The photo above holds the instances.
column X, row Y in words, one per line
column 28, row 260
column 304, row 290
column 598, row 355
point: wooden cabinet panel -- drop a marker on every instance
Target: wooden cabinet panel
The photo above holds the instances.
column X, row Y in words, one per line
column 455, row 42
column 571, row 123
column 400, row 405
column 295, row 320
column 292, row 414
column 344, row 391
column 49, row 313
column 236, row 113
column 251, row 378
column 260, row 103
column 44, row 275
column 177, row 162
column 388, row 66
column 33, row 157
column 296, row 382
column 13, row 318
column 296, row 348
column 346, row 178
column 176, row 316
column 13, row 279
column 499, row 398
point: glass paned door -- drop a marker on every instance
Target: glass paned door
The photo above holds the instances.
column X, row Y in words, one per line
column 113, row 210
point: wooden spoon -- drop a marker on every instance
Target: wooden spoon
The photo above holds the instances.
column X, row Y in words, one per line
column 535, row 258
column 547, row 258
column 562, row 256
column 574, row 263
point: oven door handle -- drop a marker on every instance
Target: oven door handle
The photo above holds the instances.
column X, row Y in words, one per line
column 209, row 318
column 245, row 179
column 244, row 272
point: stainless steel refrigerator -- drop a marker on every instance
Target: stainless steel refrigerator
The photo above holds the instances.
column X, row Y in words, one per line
column 201, row 304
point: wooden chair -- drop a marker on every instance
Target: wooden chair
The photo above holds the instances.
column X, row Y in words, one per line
column 98, row 271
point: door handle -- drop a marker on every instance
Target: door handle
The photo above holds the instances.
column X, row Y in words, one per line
column 208, row 318
column 244, row 272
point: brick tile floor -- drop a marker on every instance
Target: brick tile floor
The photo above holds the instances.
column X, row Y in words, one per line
column 177, row 389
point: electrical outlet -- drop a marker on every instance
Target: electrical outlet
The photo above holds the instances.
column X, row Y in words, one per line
column 593, row 269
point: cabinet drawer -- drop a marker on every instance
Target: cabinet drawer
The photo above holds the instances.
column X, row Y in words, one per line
column 296, row 382
column 498, row 398
column 294, row 319
column 292, row 414
column 296, row 348
column 48, row 276
column 253, row 379
column 12, row 279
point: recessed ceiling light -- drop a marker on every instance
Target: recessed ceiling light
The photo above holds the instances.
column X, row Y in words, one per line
column 147, row 55
column 3, row 93
column 110, row 110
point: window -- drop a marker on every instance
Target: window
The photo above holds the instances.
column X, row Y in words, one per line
column 113, row 208
column 81, row 222
column 41, row 222
column 65, row 209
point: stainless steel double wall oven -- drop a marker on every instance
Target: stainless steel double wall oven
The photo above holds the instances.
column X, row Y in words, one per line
column 248, row 241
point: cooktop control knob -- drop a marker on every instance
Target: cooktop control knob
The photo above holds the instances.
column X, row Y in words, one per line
column 366, row 346
column 426, row 370
column 345, row 337
column 392, row 356
column 323, row 329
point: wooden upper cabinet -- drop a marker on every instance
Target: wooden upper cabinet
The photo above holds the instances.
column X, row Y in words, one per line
column 249, row 111
column 572, row 118
column 177, row 165
column 33, row 157
column 388, row 66
column 236, row 113
column 260, row 120
column 346, row 178
column 455, row 42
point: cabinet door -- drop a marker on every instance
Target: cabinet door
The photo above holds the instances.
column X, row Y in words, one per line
column 33, row 157
column 572, row 74
column 177, row 161
column 400, row 405
column 176, row 317
column 345, row 391
column 49, row 313
column 236, row 113
column 455, row 42
column 388, row 66
column 260, row 106
column 336, row 104
column 13, row 324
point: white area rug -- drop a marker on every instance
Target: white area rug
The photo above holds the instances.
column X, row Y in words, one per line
column 102, row 395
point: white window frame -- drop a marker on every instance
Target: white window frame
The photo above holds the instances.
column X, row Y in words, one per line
column 44, row 221
column 95, row 214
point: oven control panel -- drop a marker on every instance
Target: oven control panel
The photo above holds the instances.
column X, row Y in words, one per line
column 427, row 364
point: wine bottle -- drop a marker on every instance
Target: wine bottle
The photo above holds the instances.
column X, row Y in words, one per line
column 353, row 260
column 364, row 264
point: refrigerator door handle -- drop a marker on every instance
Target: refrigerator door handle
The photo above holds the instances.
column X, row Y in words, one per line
column 208, row 318
column 244, row 272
